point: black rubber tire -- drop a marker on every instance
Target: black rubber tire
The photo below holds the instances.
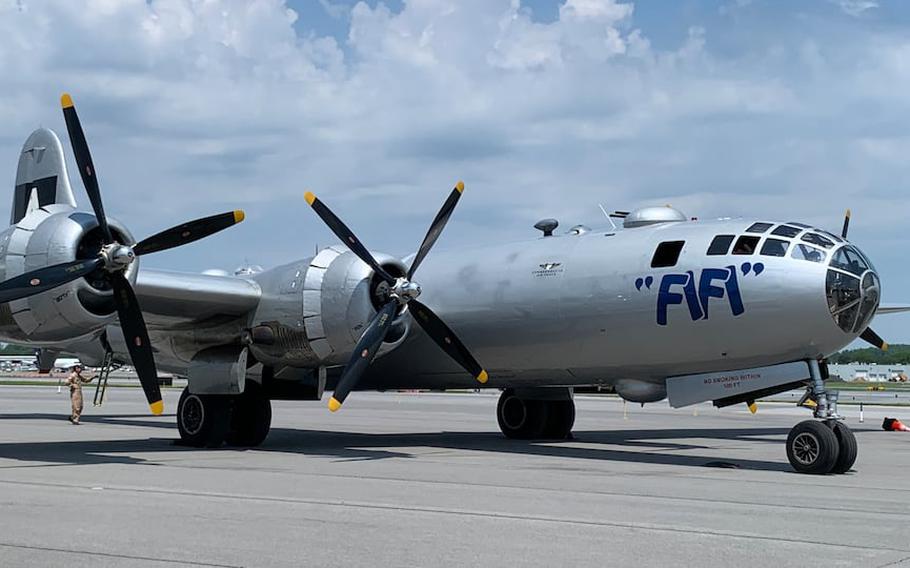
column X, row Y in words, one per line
column 519, row 418
column 203, row 419
column 846, row 442
column 560, row 419
column 251, row 417
column 812, row 447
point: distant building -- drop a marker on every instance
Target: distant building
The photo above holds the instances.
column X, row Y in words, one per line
column 868, row 372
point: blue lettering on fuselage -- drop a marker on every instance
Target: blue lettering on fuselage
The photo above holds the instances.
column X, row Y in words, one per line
column 718, row 283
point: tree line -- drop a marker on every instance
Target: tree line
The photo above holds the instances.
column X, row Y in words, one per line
column 895, row 355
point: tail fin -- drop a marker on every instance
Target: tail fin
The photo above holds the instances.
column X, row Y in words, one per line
column 41, row 178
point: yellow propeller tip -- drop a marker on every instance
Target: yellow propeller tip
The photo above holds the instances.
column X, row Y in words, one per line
column 482, row 377
column 334, row 405
column 848, row 213
column 753, row 408
column 66, row 101
column 157, row 407
column 310, row 197
column 885, row 346
column 460, row 187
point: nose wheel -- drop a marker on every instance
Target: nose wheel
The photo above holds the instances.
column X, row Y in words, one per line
column 821, row 446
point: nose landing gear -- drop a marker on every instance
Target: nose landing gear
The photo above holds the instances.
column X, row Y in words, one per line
column 826, row 445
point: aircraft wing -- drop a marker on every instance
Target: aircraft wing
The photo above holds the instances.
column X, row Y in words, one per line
column 179, row 300
column 884, row 309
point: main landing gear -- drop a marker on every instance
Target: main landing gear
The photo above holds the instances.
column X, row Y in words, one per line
column 210, row 420
column 528, row 415
column 825, row 445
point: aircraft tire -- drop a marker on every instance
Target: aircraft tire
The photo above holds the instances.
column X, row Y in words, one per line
column 251, row 417
column 812, row 447
column 203, row 420
column 846, row 442
column 560, row 419
column 521, row 418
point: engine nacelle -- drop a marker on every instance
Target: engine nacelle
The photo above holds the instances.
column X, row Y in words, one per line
column 51, row 235
column 313, row 313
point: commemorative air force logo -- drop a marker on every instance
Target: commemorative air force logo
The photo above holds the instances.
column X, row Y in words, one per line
column 548, row 269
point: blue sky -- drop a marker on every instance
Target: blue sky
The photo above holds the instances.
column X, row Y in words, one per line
column 754, row 108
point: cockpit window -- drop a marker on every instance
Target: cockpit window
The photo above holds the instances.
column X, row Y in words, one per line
column 802, row 225
column 720, row 245
column 832, row 236
column 667, row 254
column 846, row 258
column 775, row 247
column 759, row 227
column 785, row 231
column 817, row 239
column 745, row 245
column 806, row 252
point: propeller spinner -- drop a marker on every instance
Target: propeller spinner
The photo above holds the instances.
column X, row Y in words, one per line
column 113, row 259
column 403, row 292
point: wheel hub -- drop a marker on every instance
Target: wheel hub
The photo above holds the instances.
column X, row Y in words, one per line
column 806, row 448
column 192, row 414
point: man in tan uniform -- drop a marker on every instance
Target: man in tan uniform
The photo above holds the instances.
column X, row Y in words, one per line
column 75, row 382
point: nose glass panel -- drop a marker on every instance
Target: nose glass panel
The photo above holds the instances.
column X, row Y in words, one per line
column 853, row 290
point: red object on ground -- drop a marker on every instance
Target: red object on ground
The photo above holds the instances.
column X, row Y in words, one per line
column 894, row 425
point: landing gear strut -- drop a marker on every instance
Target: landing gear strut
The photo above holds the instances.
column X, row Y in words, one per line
column 826, row 445
column 528, row 417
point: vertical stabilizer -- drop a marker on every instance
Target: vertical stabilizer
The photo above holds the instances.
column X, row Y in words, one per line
column 41, row 178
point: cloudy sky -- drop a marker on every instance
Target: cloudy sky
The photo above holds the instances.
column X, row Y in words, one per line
column 780, row 110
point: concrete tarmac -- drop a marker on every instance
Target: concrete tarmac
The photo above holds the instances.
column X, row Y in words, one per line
column 428, row 480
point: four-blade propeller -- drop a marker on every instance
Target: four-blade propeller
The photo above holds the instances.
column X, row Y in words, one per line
column 113, row 260
column 403, row 293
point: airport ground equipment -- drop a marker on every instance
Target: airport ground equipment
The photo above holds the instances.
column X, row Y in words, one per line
column 662, row 307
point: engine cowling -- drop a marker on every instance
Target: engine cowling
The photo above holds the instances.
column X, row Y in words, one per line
column 51, row 235
column 314, row 312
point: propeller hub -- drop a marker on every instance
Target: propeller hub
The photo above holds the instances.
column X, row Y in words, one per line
column 117, row 257
column 404, row 290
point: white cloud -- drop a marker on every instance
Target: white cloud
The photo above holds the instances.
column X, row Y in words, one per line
column 857, row 8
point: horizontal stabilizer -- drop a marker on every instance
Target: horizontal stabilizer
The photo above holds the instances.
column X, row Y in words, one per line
column 892, row 309
column 41, row 178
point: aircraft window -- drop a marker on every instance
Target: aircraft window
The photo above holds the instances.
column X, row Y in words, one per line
column 848, row 259
column 745, row 245
column 667, row 254
column 775, row 247
column 843, row 299
column 805, row 252
column 831, row 236
column 801, row 225
column 759, row 227
column 817, row 239
column 785, row 231
column 720, row 245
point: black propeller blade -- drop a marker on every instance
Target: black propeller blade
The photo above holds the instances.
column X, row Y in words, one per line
column 44, row 279
column 363, row 353
column 137, row 340
column 346, row 235
column 446, row 338
column 84, row 161
column 114, row 258
column 436, row 228
column 870, row 336
column 843, row 232
column 188, row 232
column 403, row 292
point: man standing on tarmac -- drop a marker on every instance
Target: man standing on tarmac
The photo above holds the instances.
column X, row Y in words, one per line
column 75, row 382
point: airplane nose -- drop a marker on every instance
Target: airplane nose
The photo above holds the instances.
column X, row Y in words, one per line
column 853, row 289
